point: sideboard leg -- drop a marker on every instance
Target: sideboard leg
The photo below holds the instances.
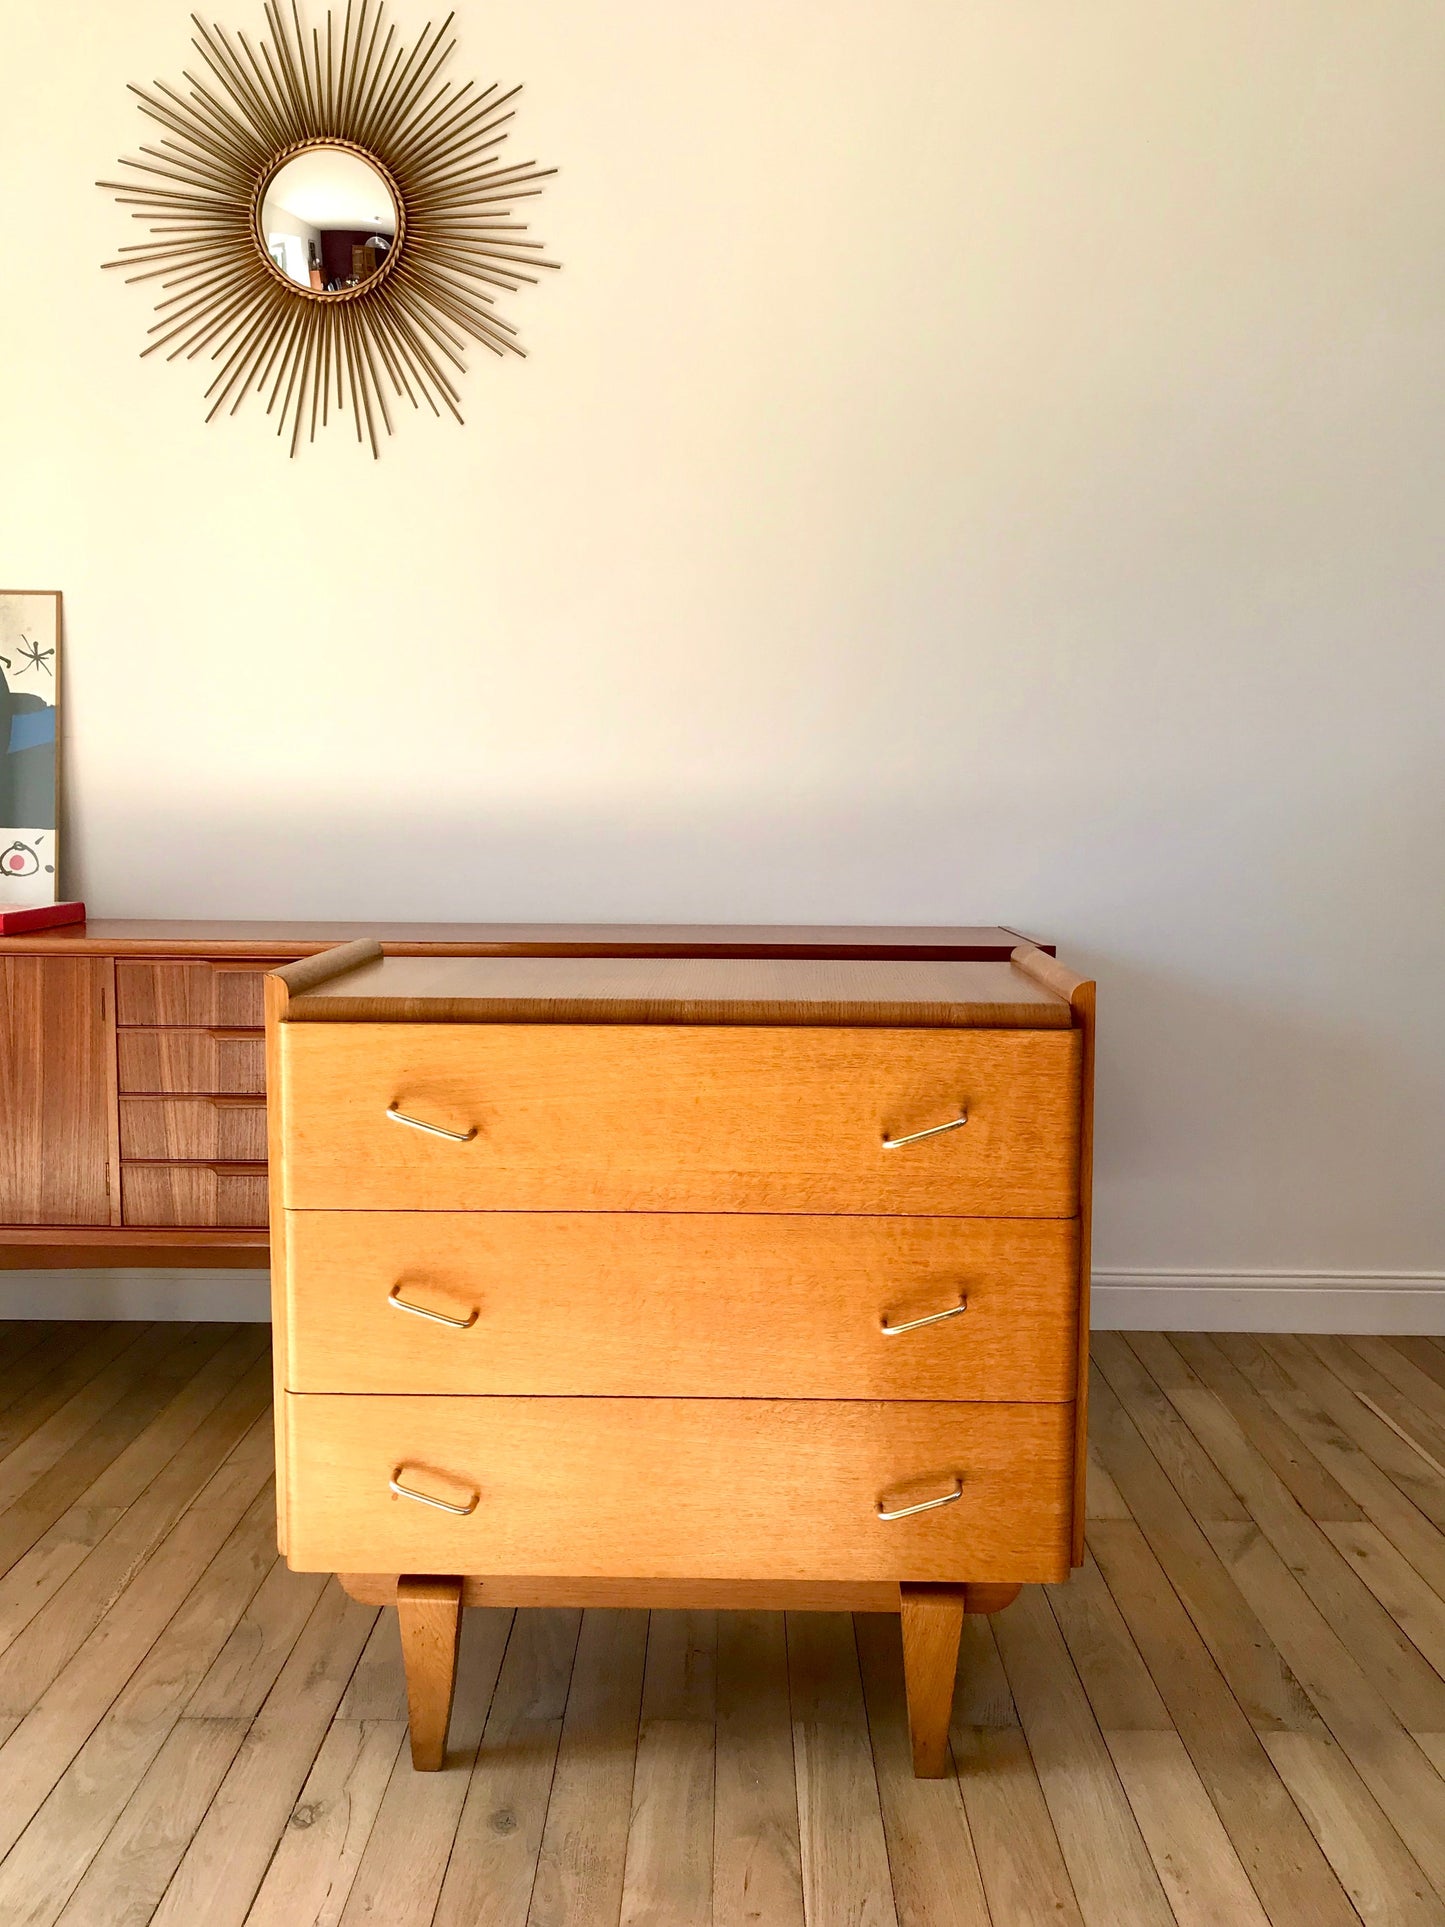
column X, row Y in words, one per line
column 932, row 1626
column 430, row 1611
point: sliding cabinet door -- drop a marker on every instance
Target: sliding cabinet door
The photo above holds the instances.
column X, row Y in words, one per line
column 56, row 1090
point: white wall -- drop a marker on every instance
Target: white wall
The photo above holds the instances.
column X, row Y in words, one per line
column 280, row 220
column 980, row 461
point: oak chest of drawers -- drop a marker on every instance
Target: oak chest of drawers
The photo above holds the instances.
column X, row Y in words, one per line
column 707, row 1282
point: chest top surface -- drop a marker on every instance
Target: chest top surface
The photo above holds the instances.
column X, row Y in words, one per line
column 361, row 985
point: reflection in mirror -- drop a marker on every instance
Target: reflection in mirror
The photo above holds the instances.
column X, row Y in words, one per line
column 328, row 220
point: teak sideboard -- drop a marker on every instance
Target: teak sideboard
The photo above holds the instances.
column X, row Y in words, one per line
column 705, row 1282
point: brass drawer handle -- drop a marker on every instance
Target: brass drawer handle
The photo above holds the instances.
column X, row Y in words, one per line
column 425, row 1498
column 928, row 1505
column 896, row 1143
column 917, row 1324
column 436, row 1130
column 422, row 1311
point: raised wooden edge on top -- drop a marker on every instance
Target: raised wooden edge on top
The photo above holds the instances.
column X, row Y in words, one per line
column 311, row 971
column 1046, row 969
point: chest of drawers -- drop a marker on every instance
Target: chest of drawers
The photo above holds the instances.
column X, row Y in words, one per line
column 704, row 1282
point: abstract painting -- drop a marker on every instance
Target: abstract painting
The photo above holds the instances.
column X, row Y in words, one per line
column 29, row 697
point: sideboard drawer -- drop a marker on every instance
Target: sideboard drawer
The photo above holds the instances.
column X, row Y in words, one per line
column 205, row 992
column 684, row 1305
column 680, row 1118
column 679, row 1488
column 225, row 1061
column 202, row 1194
column 232, row 1129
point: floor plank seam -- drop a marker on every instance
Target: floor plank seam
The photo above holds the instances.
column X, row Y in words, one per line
column 1267, row 1564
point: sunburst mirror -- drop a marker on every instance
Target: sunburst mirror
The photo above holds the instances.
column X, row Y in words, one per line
column 331, row 220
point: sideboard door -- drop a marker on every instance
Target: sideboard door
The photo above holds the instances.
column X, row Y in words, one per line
column 55, row 1090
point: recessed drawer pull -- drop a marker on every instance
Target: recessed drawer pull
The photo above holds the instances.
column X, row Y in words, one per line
column 436, row 1130
column 437, row 1317
column 917, row 1324
column 908, row 1511
column 425, row 1498
column 896, row 1143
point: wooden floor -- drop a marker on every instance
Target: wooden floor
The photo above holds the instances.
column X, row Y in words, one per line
column 1234, row 1714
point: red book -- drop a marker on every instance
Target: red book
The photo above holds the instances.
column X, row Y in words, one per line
column 43, row 917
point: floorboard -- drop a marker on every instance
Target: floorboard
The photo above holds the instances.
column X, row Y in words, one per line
column 1233, row 1715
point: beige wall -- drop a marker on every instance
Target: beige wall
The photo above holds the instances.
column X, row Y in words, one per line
column 980, row 461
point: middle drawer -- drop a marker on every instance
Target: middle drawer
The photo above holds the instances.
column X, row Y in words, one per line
column 231, row 1129
column 681, row 1305
column 192, row 1060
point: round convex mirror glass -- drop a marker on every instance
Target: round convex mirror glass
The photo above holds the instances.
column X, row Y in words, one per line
column 328, row 220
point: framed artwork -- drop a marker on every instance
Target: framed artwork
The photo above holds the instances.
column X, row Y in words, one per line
column 29, row 705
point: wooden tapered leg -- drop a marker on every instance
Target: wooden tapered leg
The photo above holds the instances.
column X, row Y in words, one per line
column 430, row 1611
column 932, row 1627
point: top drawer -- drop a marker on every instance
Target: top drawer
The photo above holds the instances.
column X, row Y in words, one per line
column 687, row 1118
column 230, row 995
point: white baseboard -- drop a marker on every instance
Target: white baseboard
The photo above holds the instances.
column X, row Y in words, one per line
column 1270, row 1301
column 1262, row 1301
column 164, row 1292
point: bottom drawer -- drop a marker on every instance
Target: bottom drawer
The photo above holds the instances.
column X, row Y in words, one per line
column 678, row 1488
column 193, row 1194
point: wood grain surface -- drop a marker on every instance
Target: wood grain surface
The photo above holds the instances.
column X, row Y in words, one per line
column 673, row 990
column 55, row 1077
column 656, row 1118
column 184, row 1061
column 671, row 1595
column 194, row 1194
column 65, row 1247
column 231, row 1129
column 681, row 1488
column 430, row 1615
column 682, row 1304
column 1082, row 995
column 211, row 992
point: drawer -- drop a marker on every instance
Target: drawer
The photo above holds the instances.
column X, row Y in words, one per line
column 680, row 1118
column 688, row 1305
column 200, row 992
column 231, row 1129
column 193, row 1194
column 231, row 1061
column 679, row 1488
